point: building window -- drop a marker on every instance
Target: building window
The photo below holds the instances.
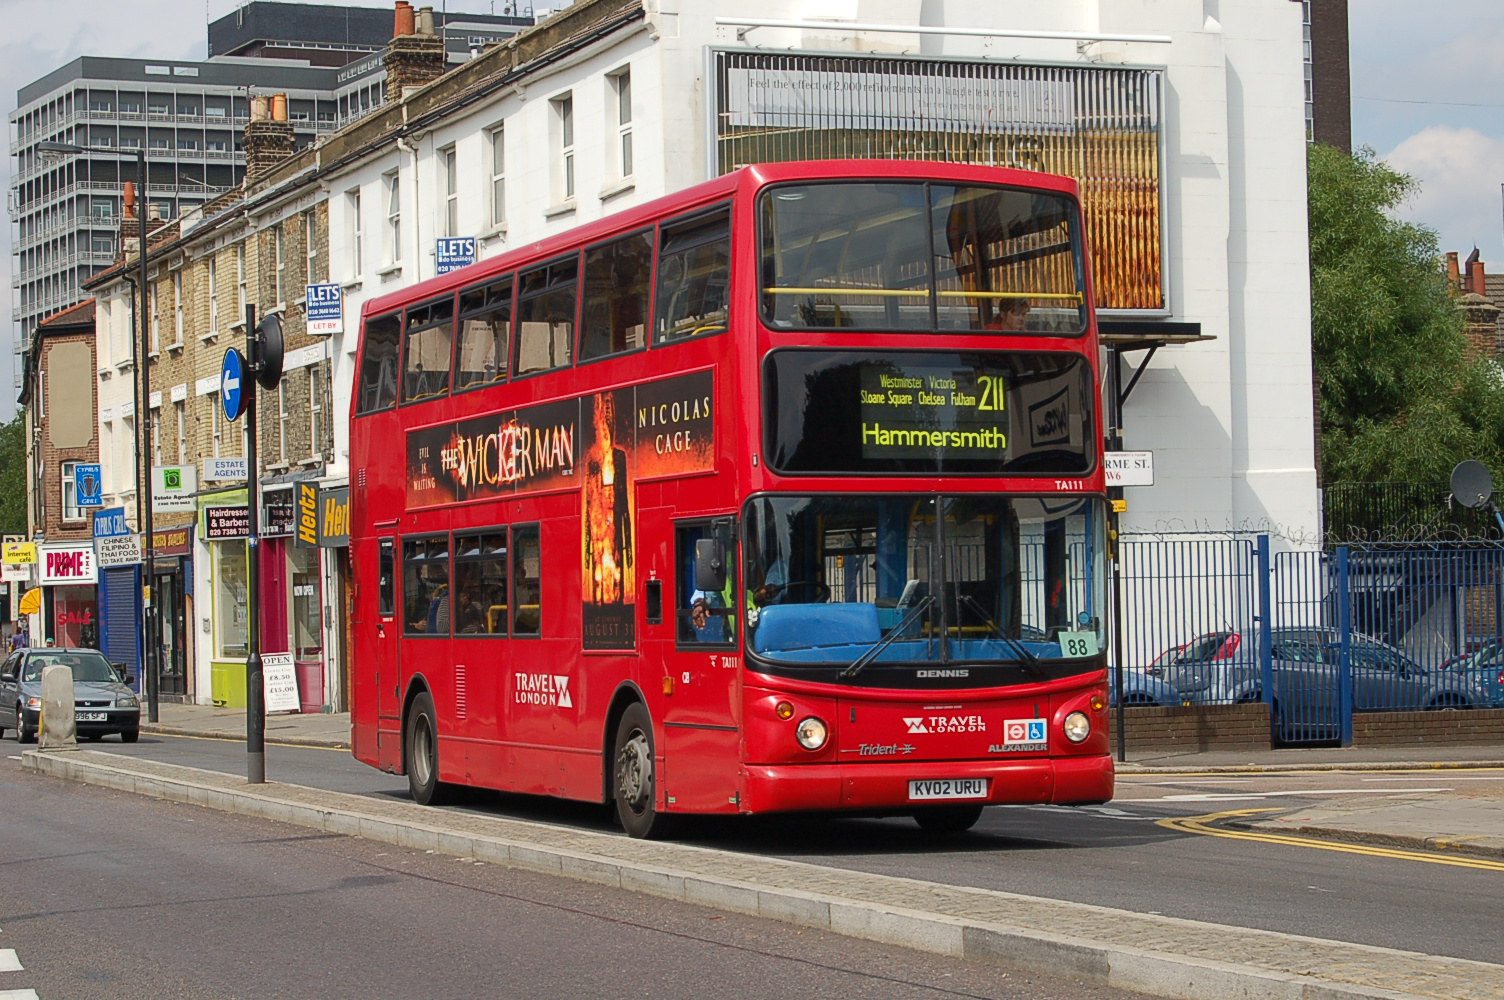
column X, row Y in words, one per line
column 71, row 509
column 282, row 420
column 392, row 188
column 156, row 322
column 311, row 245
column 213, row 297
column 178, row 409
column 498, row 156
column 177, row 316
column 240, row 297
column 307, row 603
column 620, row 142
column 563, row 108
column 231, row 591
column 213, row 400
column 156, row 435
column 451, row 192
column 277, row 240
column 316, row 410
column 352, row 208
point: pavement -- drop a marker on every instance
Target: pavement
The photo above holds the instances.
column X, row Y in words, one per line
column 1150, row 953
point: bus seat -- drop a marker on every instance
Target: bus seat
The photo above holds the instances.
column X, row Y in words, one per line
column 800, row 626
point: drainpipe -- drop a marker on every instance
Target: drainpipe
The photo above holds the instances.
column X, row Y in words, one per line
column 412, row 150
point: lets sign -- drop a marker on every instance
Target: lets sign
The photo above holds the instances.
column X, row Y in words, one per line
column 325, row 306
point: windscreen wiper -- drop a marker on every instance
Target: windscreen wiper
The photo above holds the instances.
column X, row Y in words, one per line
column 861, row 662
column 1027, row 655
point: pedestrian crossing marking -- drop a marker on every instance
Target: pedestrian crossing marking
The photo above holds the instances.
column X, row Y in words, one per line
column 8, row 960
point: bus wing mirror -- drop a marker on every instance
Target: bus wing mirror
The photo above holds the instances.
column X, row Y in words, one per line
column 710, row 565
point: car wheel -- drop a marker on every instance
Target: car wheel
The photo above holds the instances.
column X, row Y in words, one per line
column 129, row 735
column 948, row 819
column 1447, row 703
column 23, row 735
column 422, row 757
column 634, row 784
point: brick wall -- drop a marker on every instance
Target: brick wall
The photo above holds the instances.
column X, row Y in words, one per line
column 1484, row 726
column 1194, row 727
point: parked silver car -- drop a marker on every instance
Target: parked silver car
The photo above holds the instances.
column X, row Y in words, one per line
column 103, row 704
column 1304, row 663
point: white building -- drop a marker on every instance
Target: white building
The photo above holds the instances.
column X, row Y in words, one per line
column 1188, row 137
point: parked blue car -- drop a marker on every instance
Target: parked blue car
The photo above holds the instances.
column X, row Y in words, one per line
column 1139, row 689
column 1484, row 670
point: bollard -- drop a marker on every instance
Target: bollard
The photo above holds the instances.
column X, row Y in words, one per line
column 59, row 730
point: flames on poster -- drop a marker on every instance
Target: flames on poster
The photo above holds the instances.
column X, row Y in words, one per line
column 608, row 508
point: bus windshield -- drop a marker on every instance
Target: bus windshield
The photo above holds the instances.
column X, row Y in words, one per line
column 911, row 256
column 961, row 578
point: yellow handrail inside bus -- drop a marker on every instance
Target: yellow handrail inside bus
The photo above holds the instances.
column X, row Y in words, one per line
column 1066, row 296
column 918, row 293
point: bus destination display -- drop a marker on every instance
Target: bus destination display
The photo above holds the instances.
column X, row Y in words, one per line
column 928, row 412
column 913, row 410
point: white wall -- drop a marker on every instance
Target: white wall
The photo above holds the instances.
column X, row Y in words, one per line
column 1230, row 420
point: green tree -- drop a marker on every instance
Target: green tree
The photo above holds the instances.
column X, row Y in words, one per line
column 1400, row 398
column 13, row 475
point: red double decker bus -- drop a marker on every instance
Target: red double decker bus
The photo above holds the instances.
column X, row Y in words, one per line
column 781, row 493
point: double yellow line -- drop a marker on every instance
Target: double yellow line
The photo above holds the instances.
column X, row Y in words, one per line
column 1203, row 825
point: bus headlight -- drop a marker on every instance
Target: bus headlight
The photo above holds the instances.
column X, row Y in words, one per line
column 1077, row 727
column 811, row 733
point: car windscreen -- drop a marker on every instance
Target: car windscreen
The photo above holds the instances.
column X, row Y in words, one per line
column 85, row 666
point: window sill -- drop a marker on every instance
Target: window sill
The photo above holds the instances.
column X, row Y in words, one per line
column 353, row 285
column 496, row 231
column 389, row 269
column 208, row 338
column 309, row 463
column 562, row 208
column 106, row 373
column 125, row 366
column 237, row 325
column 276, row 467
column 154, row 355
column 176, row 347
column 620, row 187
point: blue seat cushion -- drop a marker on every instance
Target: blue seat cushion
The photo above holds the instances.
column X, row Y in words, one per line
column 802, row 626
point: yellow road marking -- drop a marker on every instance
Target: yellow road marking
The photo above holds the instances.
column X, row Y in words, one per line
column 1202, row 825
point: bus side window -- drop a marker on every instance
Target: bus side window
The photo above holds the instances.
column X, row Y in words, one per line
column 386, row 589
column 426, row 604
column 618, row 280
column 703, row 617
column 430, row 332
column 527, row 592
column 378, row 364
column 485, row 328
column 694, row 277
column 546, row 303
column 480, row 583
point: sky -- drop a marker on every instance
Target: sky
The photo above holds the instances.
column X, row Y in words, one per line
column 1427, row 84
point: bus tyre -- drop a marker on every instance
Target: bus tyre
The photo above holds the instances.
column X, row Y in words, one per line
column 422, row 753
column 948, row 819
column 633, row 776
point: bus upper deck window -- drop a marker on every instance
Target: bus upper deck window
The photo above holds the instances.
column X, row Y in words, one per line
column 618, row 277
column 546, row 301
column 485, row 326
column 694, row 276
column 378, row 363
column 430, row 332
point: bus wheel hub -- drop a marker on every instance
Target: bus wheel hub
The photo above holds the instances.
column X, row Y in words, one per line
column 634, row 772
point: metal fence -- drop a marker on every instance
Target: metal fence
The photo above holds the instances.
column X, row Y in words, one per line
column 1316, row 634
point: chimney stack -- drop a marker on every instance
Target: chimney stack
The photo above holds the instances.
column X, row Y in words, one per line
column 415, row 56
column 1452, row 273
column 1476, row 283
column 268, row 135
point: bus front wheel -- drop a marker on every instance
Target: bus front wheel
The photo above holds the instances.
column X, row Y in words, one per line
column 634, row 777
column 423, row 753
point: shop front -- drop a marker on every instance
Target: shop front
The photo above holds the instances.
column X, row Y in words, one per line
column 173, row 593
column 70, row 596
column 223, row 529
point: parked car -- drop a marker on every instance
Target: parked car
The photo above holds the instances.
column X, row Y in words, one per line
column 1304, row 664
column 1141, row 690
column 1484, row 669
column 103, row 704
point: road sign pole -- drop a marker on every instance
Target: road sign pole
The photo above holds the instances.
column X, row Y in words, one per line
column 255, row 695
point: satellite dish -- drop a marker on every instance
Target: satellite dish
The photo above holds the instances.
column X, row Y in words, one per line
column 1472, row 486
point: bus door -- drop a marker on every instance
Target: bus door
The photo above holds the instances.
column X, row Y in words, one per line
column 702, row 734
column 388, row 668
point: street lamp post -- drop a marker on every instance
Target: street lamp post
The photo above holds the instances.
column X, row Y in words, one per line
column 151, row 658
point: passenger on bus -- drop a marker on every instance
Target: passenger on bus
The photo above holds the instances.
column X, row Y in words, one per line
column 1011, row 314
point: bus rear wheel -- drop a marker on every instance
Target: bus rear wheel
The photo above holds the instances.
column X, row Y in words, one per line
column 948, row 819
column 422, row 756
column 634, row 776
